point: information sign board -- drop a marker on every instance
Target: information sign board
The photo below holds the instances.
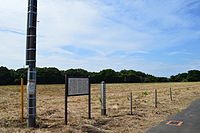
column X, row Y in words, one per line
column 78, row 86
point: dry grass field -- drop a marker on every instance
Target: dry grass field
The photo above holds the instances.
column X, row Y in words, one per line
column 50, row 108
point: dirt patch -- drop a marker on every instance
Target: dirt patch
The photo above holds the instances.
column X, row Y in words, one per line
column 50, row 108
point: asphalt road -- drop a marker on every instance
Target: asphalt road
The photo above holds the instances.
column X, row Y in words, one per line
column 188, row 121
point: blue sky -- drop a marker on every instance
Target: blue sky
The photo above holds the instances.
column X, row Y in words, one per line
column 158, row 37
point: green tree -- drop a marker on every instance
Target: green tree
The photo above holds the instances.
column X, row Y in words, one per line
column 193, row 75
column 179, row 77
column 5, row 76
column 21, row 73
column 77, row 72
column 108, row 75
column 49, row 75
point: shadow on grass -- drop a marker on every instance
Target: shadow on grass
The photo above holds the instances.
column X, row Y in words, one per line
column 49, row 123
column 41, row 123
column 6, row 123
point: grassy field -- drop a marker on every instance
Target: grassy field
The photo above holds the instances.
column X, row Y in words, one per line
column 50, row 108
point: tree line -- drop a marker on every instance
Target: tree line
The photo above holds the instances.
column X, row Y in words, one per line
column 52, row 75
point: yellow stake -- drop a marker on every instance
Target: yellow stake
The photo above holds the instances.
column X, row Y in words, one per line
column 22, row 99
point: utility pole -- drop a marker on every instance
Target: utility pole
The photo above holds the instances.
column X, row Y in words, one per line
column 31, row 62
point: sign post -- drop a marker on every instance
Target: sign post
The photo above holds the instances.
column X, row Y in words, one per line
column 66, row 93
column 89, row 99
column 77, row 86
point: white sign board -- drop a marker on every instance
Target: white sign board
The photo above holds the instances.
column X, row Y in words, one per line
column 78, row 86
column 31, row 88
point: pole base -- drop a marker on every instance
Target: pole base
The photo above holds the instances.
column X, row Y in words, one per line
column 31, row 122
column 103, row 111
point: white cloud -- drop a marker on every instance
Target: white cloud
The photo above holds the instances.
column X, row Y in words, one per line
column 104, row 27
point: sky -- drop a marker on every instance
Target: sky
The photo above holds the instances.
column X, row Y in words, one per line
column 158, row 37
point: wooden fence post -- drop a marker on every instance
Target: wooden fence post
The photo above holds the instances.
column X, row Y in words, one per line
column 22, row 99
column 170, row 91
column 131, row 103
column 156, row 98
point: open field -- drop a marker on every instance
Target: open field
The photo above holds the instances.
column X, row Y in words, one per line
column 50, row 108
